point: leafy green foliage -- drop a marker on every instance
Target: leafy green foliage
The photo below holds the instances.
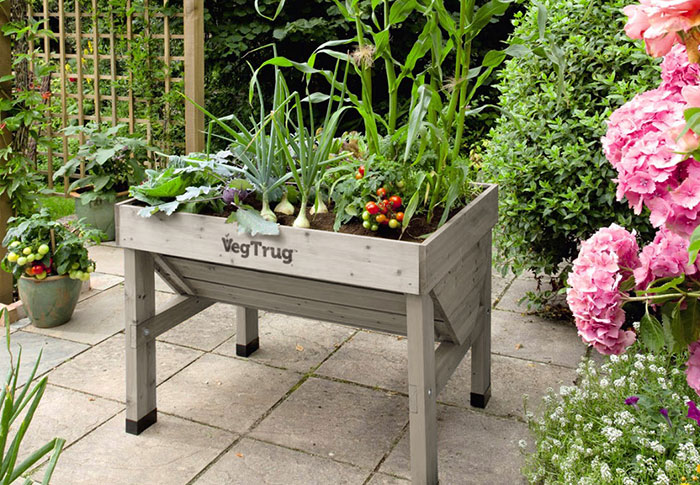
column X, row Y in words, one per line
column 67, row 244
column 14, row 402
column 556, row 187
column 112, row 162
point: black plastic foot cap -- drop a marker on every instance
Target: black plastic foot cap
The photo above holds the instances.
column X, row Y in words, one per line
column 480, row 400
column 137, row 427
column 248, row 349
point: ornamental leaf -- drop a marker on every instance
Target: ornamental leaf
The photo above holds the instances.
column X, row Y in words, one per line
column 250, row 221
column 651, row 333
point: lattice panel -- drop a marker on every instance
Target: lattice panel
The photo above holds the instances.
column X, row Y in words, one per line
column 115, row 62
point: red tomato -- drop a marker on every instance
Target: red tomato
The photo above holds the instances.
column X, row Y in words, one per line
column 395, row 201
column 399, row 216
column 383, row 206
column 381, row 192
column 361, row 170
column 382, row 219
column 372, row 208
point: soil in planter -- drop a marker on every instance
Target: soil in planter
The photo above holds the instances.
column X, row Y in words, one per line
column 418, row 226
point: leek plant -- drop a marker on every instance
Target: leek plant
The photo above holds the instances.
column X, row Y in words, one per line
column 310, row 151
column 14, row 403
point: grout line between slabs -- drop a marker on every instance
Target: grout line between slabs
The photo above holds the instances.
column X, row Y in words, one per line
column 393, row 445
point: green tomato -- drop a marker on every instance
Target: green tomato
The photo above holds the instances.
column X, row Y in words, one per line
column 27, row 251
column 366, row 224
column 90, row 269
column 31, row 258
column 393, row 223
column 85, row 277
column 374, row 227
column 14, row 244
column 41, row 276
column 43, row 249
column 366, row 215
column 21, row 261
column 75, row 266
column 79, row 275
column 12, row 257
column 71, row 274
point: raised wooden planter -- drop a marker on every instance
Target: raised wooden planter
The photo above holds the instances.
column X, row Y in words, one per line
column 437, row 290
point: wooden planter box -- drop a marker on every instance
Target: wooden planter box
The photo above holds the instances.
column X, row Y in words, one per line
column 439, row 290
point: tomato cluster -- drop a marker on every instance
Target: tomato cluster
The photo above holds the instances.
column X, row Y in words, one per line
column 38, row 262
column 360, row 172
column 385, row 212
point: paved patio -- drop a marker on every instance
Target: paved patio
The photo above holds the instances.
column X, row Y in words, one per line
column 317, row 404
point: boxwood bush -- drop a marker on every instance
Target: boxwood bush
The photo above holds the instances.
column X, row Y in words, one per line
column 545, row 151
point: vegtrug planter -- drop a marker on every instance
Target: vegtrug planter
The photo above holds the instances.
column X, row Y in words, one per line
column 437, row 290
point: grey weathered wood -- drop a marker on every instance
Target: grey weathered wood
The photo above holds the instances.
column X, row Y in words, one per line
column 318, row 310
column 175, row 311
column 422, row 391
column 246, row 331
column 481, row 350
column 368, row 262
column 170, row 275
column 139, row 297
column 448, row 356
column 458, row 236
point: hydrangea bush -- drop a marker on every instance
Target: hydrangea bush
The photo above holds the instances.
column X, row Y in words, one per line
column 651, row 144
column 631, row 420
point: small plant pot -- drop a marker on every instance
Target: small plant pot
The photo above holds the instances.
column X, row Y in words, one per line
column 98, row 213
column 49, row 302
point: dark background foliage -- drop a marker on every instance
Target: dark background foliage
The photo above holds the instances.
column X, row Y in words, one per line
column 556, row 187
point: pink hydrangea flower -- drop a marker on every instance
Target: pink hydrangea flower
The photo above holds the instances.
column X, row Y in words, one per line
column 677, row 71
column 594, row 296
column 666, row 256
column 693, row 371
column 658, row 21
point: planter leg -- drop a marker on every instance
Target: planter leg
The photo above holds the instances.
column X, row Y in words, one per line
column 422, row 389
column 139, row 290
column 481, row 349
column 247, row 340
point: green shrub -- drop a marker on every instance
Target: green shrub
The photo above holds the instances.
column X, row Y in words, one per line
column 609, row 429
column 556, row 185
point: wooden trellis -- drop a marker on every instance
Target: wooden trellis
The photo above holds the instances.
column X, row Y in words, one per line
column 98, row 78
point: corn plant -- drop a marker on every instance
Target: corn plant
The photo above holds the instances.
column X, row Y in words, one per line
column 14, row 402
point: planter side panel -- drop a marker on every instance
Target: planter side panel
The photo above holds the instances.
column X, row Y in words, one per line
column 456, row 240
column 327, row 256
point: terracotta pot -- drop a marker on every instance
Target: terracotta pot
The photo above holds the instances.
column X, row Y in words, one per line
column 49, row 302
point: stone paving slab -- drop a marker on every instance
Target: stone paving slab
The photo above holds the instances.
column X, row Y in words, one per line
column 55, row 351
column 170, row 452
column 517, row 290
column 473, row 449
column 381, row 479
column 228, row 393
column 380, row 360
column 254, row 462
column 104, row 281
column 108, row 259
column 66, row 414
column 101, row 370
column 536, row 339
column 293, row 343
column 349, row 423
column 206, row 330
column 94, row 319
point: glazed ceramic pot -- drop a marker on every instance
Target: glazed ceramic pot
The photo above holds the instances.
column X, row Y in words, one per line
column 49, row 302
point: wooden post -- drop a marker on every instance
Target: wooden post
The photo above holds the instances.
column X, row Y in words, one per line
column 139, row 297
column 422, row 389
column 5, row 139
column 247, row 340
column 481, row 350
column 194, row 74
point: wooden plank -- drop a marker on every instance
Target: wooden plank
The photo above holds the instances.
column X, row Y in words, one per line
column 349, row 259
column 140, row 306
column 316, row 310
column 175, row 311
column 422, row 391
column 64, row 107
column 130, row 39
column 247, row 340
column 112, row 67
column 171, row 276
column 194, row 74
column 481, row 351
column 455, row 239
column 49, row 128
column 79, row 69
column 96, row 61
column 448, row 356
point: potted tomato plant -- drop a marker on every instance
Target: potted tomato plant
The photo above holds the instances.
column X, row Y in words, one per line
column 50, row 261
column 110, row 164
